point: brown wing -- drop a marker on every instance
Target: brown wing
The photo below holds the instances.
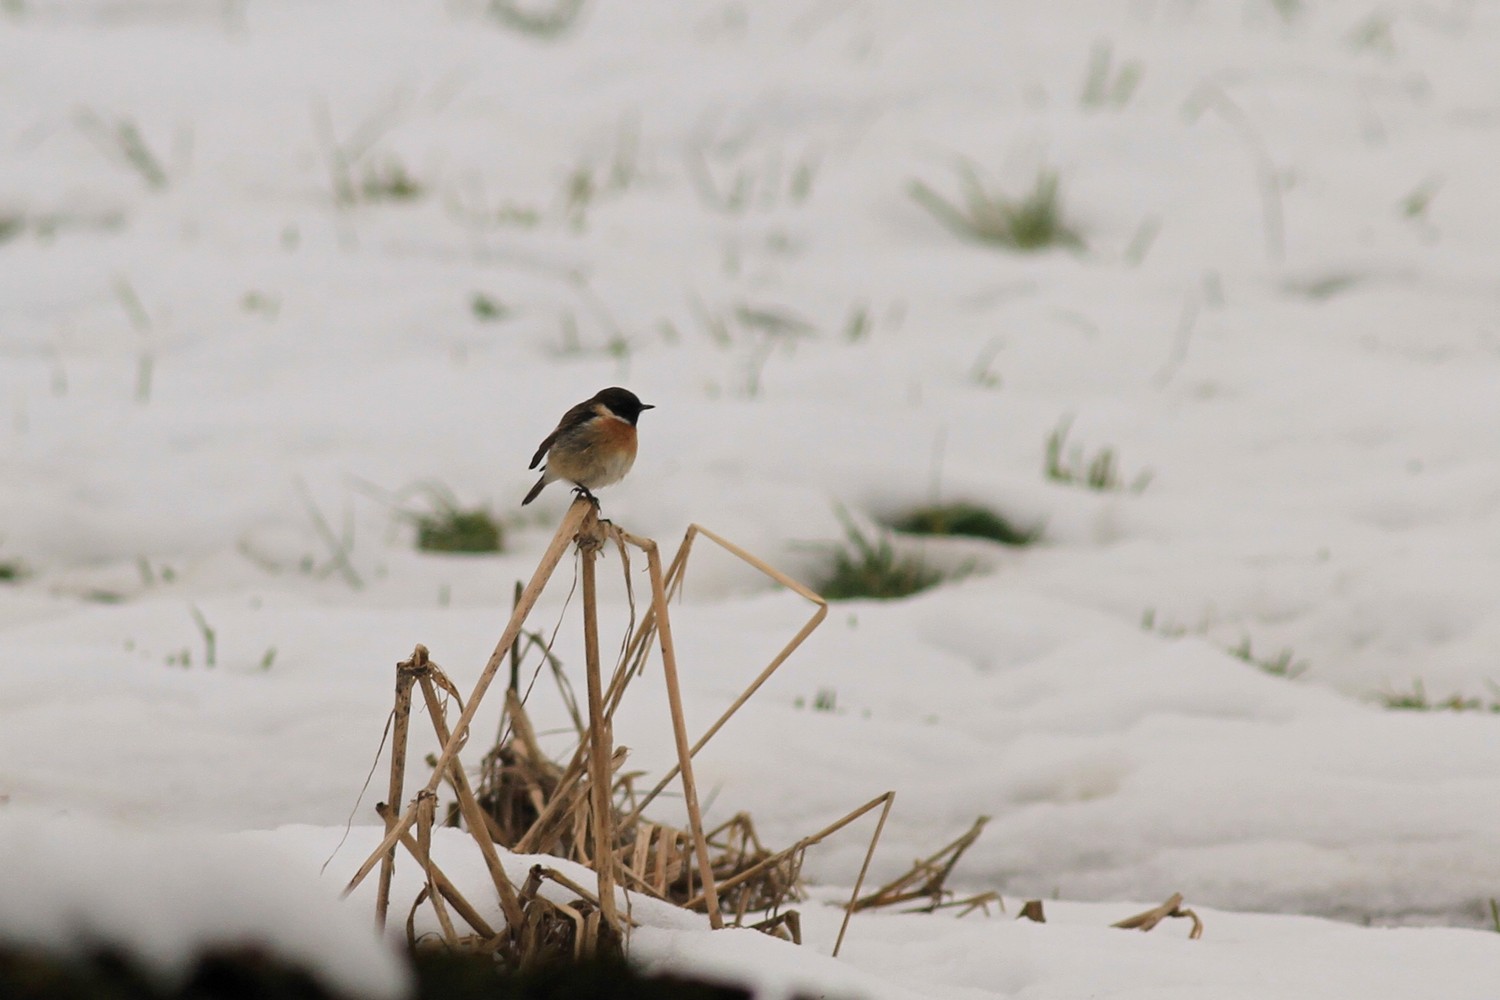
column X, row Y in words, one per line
column 541, row 450
column 579, row 414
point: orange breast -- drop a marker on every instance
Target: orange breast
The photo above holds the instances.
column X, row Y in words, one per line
column 619, row 434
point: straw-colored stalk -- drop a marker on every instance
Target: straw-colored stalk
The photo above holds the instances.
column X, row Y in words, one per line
column 444, row 885
column 590, row 538
column 451, row 745
column 926, row 878
column 1171, row 908
column 679, row 724
column 675, row 577
column 405, row 678
column 426, row 811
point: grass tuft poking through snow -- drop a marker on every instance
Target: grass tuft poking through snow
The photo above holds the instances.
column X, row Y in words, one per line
column 866, row 568
column 1107, row 87
column 1282, row 664
column 449, row 527
column 454, row 530
column 967, row 519
column 1418, row 700
column 543, row 21
column 1032, row 222
column 487, row 309
column 1099, row 472
column 388, row 180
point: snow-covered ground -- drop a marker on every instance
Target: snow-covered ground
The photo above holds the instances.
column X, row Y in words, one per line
column 265, row 263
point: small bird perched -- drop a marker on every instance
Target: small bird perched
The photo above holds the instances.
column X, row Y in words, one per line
column 593, row 445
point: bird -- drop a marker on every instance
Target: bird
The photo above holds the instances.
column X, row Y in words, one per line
column 593, row 444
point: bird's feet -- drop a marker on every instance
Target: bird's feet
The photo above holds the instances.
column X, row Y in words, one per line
column 583, row 492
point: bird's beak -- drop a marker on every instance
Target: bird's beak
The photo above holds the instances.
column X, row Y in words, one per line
column 648, row 406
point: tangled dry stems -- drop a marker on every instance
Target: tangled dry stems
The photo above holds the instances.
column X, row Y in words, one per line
column 587, row 809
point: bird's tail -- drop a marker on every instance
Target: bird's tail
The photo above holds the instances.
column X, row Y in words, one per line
column 536, row 489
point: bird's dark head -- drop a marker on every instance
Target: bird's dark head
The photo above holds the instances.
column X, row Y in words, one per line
column 622, row 403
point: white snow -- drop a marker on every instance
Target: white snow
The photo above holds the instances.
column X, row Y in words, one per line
column 164, row 893
column 203, row 355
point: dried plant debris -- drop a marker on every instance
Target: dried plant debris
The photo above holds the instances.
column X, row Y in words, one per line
column 927, row 881
column 538, row 805
column 1145, row 921
column 585, row 808
column 1171, row 908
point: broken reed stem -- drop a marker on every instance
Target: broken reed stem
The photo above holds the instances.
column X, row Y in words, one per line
column 679, row 564
column 1171, row 908
column 639, row 644
column 584, row 946
column 426, row 811
column 786, row 651
column 561, row 805
column 598, row 735
column 565, row 532
column 405, row 678
column 801, row 845
column 790, row 920
column 539, row 579
column 679, row 726
column 473, row 815
column 890, row 798
column 554, row 875
column 444, row 885
column 979, row 901
column 561, row 802
column 931, row 874
column 1032, row 910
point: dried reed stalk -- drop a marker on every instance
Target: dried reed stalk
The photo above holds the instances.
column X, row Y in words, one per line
column 560, row 799
column 475, row 816
column 679, row 724
column 555, row 818
column 405, row 678
column 517, row 779
column 426, row 810
column 1171, row 908
column 552, row 928
column 795, row 851
column 926, row 878
column 444, row 885
column 560, row 541
column 590, row 538
column 791, row 920
column 1032, row 910
column 979, row 901
column 889, row 799
column 679, row 564
column 552, row 874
